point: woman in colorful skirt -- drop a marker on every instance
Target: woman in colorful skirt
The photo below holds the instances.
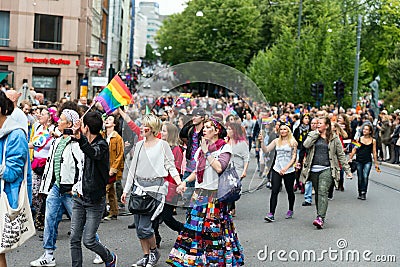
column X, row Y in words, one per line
column 209, row 237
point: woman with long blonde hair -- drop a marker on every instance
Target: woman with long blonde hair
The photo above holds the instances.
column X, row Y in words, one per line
column 342, row 134
column 286, row 153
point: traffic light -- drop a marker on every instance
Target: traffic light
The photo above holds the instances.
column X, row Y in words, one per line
column 335, row 88
column 320, row 90
column 341, row 86
column 314, row 90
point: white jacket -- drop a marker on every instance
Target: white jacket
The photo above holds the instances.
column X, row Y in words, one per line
column 72, row 163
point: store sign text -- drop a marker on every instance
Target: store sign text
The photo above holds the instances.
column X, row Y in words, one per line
column 52, row 61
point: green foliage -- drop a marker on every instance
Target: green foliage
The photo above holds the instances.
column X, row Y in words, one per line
column 324, row 53
column 261, row 38
column 381, row 32
column 226, row 33
column 150, row 53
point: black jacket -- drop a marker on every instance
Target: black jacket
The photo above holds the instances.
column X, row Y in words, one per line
column 96, row 168
column 186, row 135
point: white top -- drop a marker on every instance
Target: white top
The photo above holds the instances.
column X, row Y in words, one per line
column 283, row 157
column 240, row 156
column 42, row 140
column 210, row 178
column 155, row 161
column 19, row 116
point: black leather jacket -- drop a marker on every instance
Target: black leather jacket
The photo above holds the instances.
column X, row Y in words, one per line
column 96, row 168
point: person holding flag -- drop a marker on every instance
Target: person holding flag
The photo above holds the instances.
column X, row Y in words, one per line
column 363, row 150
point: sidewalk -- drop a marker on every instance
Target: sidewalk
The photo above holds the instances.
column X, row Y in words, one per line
column 394, row 166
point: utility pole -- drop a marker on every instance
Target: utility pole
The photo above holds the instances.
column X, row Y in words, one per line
column 131, row 46
column 357, row 64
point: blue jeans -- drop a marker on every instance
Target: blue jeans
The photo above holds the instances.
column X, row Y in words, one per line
column 250, row 140
column 363, row 170
column 85, row 221
column 308, row 192
column 55, row 206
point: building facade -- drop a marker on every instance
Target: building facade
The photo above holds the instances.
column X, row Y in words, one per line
column 44, row 44
column 140, row 37
column 151, row 11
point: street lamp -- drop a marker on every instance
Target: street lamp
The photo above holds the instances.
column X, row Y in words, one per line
column 199, row 13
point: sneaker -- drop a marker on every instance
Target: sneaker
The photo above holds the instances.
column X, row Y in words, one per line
column 289, row 214
column 153, row 258
column 110, row 217
column 363, row 196
column 98, row 260
column 305, row 204
column 269, row 185
column 112, row 263
column 44, row 261
column 142, row 262
column 270, row 217
column 319, row 222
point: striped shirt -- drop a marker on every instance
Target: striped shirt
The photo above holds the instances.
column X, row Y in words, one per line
column 57, row 158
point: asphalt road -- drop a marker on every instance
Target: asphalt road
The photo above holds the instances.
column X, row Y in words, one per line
column 368, row 228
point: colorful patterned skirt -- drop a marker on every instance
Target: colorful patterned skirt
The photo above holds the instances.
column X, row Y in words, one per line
column 209, row 237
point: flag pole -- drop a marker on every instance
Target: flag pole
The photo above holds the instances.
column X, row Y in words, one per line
column 91, row 106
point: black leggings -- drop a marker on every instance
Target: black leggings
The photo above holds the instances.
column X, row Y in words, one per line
column 276, row 182
column 168, row 219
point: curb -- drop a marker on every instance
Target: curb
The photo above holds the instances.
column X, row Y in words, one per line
column 393, row 166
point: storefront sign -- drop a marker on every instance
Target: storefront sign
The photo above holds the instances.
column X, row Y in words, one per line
column 52, row 61
column 94, row 63
column 99, row 81
column 7, row 58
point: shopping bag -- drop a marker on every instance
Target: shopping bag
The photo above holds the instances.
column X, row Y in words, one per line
column 16, row 225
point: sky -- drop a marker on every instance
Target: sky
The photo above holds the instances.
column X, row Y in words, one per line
column 168, row 7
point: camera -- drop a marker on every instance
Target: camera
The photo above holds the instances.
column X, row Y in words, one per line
column 68, row 131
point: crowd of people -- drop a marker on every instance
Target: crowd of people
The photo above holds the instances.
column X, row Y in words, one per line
column 85, row 163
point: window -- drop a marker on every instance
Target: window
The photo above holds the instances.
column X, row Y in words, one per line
column 4, row 28
column 47, row 32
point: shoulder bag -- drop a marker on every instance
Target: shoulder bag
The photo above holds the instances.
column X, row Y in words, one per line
column 16, row 225
column 141, row 204
column 229, row 185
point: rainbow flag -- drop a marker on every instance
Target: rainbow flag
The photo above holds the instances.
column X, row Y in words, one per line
column 229, row 111
column 356, row 144
column 185, row 96
column 267, row 120
column 114, row 95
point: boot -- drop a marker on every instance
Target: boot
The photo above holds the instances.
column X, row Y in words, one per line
column 391, row 154
column 363, row 196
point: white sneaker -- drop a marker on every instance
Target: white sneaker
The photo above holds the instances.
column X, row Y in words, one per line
column 97, row 260
column 44, row 261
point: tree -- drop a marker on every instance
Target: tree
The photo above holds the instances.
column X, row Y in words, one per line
column 392, row 97
column 150, row 53
column 324, row 53
column 381, row 33
column 227, row 32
